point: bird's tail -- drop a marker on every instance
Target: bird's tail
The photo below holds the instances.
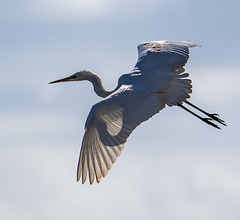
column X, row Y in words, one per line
column 179, row 89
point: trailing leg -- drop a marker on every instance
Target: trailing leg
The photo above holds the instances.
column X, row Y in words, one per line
column 213, row 116
column 206, row 120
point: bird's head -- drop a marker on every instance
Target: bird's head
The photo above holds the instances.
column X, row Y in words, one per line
column 78, row 76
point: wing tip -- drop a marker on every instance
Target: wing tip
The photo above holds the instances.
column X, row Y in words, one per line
column 187, row 43
column 82, row 175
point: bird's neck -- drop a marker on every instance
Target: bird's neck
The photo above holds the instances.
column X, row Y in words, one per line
column 98, row 86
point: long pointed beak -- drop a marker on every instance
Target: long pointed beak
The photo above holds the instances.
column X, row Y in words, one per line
column 62, row 80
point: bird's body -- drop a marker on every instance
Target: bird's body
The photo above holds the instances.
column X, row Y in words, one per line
column 157, row 80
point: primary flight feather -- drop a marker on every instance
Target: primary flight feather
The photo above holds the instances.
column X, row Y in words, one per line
column 157, row 80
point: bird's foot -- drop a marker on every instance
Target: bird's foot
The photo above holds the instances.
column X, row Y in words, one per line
column 214, row 117
column 209, row 121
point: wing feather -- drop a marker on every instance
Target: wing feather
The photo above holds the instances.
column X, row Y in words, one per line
column 109, row 124
column 162, row 55
column 161, row 63
column 97, row 164
column 91, row 164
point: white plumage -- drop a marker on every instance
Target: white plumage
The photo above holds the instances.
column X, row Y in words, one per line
column 158, row 79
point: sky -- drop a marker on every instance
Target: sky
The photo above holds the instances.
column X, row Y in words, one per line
column 173, row 166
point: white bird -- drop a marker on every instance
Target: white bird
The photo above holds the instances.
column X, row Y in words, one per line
column 157, row 80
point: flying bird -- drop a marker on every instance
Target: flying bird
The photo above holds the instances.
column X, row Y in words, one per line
column 158, row 79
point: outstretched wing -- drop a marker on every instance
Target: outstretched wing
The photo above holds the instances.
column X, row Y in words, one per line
column 109, row 124
column 161, row 64
column 163, row 56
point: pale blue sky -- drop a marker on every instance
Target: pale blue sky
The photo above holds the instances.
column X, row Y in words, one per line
column 173, row 166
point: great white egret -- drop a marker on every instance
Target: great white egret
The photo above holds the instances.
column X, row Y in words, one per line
column 157, row 80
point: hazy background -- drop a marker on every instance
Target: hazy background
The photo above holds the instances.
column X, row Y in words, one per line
column 173, row 166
